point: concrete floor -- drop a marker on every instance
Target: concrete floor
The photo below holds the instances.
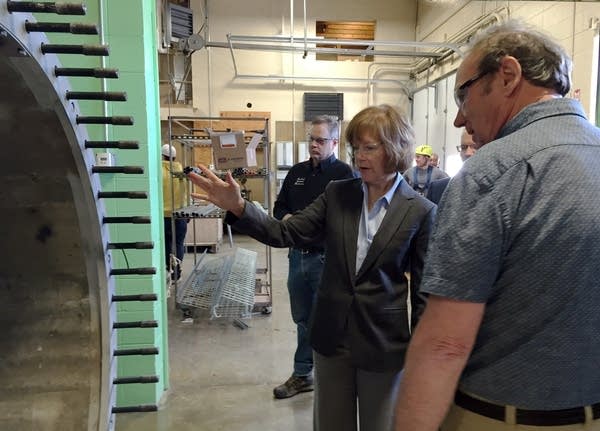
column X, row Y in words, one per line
column 222, row 377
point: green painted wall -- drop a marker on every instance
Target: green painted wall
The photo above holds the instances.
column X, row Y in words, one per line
column 130, row 31
column 129, row 28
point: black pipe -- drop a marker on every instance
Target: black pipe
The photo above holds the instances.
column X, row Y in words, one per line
column 134, row 409
column 140, row 297
column 122, row 195
column 61, row 27
column 117, row 169
column 131, row 245
column 121, row 145
column 91, row 72
column 99, row 50
column 115, row 121
column 46, row 7
column 137, row 379
column 109, row 96
column 140, row 351
column 136, row 324
column 150, row 270
column 132, row 220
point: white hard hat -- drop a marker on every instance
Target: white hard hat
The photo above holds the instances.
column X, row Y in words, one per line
column 168, row 151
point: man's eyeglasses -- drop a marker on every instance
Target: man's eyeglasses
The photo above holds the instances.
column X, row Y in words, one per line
column 460, row 92
column 460, row 148
column 320, row 141
column 367, row 150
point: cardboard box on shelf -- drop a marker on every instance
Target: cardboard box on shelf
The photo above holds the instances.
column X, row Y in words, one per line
column 204, row 232
column 230, row 151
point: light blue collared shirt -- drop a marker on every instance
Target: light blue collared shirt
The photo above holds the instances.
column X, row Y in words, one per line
column 371, row 220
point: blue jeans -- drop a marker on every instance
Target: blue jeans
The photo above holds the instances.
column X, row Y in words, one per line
column 303, row 280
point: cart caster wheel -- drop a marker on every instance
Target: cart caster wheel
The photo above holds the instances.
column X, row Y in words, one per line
column 267, row 310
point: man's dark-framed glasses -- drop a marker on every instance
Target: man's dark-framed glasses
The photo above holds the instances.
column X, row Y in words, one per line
column 320, row 141
column 460, row 93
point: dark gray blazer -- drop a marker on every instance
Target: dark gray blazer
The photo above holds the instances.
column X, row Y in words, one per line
column 365, row 310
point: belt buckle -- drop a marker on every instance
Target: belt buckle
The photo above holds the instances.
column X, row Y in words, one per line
column 304, row 251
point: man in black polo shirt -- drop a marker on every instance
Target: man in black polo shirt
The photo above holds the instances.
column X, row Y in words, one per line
column 302, row 185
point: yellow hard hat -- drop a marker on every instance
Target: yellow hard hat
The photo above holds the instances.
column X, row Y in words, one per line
column 424, row 150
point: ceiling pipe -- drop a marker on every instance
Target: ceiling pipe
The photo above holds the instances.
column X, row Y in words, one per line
column 293, row 92
column 462, row 36
column 317, row 78
column 291, row 21
column 305, row 32
column 425, row 60
column 232, row 56
column 315, row 40
column 295, row 48
column 387, row 67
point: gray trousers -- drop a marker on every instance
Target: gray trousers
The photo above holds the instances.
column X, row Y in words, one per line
column 342, row 390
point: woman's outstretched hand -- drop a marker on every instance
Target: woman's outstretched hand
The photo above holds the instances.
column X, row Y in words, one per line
column 224, row 194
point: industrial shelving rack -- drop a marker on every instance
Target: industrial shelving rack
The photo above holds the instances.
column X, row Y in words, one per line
column 201, row 281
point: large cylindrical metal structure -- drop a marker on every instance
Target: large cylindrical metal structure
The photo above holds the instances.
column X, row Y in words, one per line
column 56, row 343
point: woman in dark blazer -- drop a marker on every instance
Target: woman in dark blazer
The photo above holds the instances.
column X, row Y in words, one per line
column 376, row 229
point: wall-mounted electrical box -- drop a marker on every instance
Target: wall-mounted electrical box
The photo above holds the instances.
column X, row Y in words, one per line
column 105, row 159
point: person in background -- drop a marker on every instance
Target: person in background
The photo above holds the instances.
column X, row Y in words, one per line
column 435, row 160
column 419, row 177
column 509, row 338
column 466, row 149
column 302, row 185
column 376, row 229
column 174, row 197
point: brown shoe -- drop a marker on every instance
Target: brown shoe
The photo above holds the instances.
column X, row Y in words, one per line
column 293, row 386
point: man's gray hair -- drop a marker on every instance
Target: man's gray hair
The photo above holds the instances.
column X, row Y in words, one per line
column 332, row 124
column 543, row 61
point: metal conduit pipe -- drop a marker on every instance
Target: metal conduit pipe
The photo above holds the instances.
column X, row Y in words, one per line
column 287, row 44
column 237, row 75
column 315, row 40
column 385, row 66
column 305, row 32
column 463, row 35
column 296, row 48
column 291, row 21
column 316, row 78
column 441, row 50
column 293, row 110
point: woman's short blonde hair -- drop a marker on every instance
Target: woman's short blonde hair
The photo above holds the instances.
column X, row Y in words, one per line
column 391, row 128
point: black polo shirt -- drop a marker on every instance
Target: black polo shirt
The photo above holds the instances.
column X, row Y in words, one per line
column 304, row 183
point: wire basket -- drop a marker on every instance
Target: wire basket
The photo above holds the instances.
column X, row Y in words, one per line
column 224, row 285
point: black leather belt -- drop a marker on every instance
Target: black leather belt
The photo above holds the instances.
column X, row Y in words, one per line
column 309, row 250
column 548, row 418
